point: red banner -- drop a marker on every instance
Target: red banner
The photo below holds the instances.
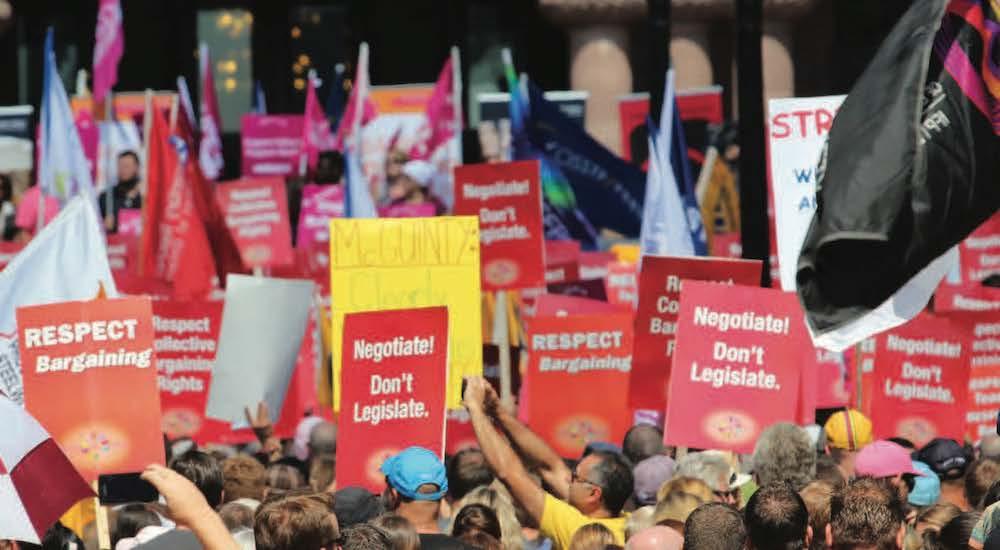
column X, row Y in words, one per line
column 562, row 261
column 622, row 284
column 256, row 212
column 506, row 197
column 921, row 371
column 984, row 373
column 736, row 366
column 656, row 316
column 90, row 380
column 576, row 356
column 833, row 380
column 394, row 378
column 966, row 298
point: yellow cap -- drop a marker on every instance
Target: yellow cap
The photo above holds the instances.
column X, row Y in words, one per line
column 848, row 430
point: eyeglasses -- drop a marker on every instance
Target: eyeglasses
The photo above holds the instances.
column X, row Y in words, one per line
column 575, row 478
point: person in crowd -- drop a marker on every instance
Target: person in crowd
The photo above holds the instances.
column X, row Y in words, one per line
column 949, row 460
column 847, row 432
column 642, row 441
column 715, row 526
column 480, row 541
column 365, row 536
column 953, row 535
column 926, row 487
column 828, row 470
column 988, row 522
column 784, row 453
column 592, row 536
column 354, row 505
column 322, row 472
column 816, row 496
column 595, row 492
column 129, row 519
column 932, row 518
column 467, row 470
column 400, row 531
column 776, row 518
column 282, row 478
column 329, row 168
column 125, row 194
column 989, row 447
column 8, row 212
column 675, row 508
column 304, row 522
column 187, row 507
column 685, row 484
column 236, row 516
column 476, row 517
column 26, row 217
column 655, row 538
column 243, row 478
column 866, row 514
column 394, row 163
column 649, row 475
column 639, row 520
column 981, row 475
column 412, row 187
column 205, row 472
column 904, row 443
column 416, row 483
column 713, row 468
column 992, row 495
column 497, row 499
column 58, row 537
column 323, row 439
column 888, row 461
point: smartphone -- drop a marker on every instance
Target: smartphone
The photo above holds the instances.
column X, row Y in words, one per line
column 122, row 488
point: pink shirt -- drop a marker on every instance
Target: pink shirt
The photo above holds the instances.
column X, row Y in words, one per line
column 27, row 210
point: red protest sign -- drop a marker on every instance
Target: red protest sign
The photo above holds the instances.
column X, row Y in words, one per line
column 506, row 197
column 984, row 372
column 622, row 284
column 966, row 298
column 460, row 435
column 90, row 380
column 594, row 265
column 833, row 380
column 921, row 369
column 577, row 379
column 562, row 261
column 558, row 305
column 256, row 212
column 656, row 316
column 394, row 378
column 736, row 366
column 593, row 289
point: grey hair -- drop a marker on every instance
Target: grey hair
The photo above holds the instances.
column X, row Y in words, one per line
column 708, row 467
column 784, row 453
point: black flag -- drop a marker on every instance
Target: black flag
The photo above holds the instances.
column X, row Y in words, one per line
column 910, row 169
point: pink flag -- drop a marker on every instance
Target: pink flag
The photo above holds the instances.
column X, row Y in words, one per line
column 109, row 45
column 210, row 149
column 38, row 484
column 441, row 115
column 316, row 135
column 360, row 108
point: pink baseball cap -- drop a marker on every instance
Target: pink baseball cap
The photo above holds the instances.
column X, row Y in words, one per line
column 883, row 459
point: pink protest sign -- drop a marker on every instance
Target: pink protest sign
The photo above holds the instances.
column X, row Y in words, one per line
column 270, row 144
column 319, row 204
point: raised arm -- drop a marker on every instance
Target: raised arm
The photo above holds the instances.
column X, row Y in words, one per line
column 499, row 455
column 188, row 508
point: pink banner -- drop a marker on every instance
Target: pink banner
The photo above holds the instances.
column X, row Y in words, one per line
column 270, row 145
column 319, row 204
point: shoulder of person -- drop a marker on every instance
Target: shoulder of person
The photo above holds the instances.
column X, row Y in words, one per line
column 441, row 542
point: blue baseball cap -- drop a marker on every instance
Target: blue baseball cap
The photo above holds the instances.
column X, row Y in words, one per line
column 413, row 467
column 927, row 488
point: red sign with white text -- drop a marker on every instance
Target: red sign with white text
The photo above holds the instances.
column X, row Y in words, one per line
column 394, row 378
column 90, row 380
column 562, row 261
column 984, row 373
column 656, row 316
column 256, row 212
column 736, row 366
column 622, row 284
column 833, row 380
column 506, row 197
column 921, row 380
column 569, row 359
column 594, row 265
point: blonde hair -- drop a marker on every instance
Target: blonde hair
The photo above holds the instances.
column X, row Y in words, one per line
column 677, row 505
column 502, row 504
column 934, row 517
column 592, row 536
column 683, row 484
column 639, row 520
column 400, row 531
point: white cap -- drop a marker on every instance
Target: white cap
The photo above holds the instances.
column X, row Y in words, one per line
column 419, row 171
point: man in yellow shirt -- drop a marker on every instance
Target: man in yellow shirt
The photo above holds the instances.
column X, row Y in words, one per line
column 594, row 493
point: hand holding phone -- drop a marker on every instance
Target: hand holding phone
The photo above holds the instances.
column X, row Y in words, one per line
column 122, row 488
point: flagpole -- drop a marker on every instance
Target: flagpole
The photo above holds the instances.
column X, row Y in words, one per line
column 456, row 79
column 173, row 113
column 109, row 186
column 147, row 126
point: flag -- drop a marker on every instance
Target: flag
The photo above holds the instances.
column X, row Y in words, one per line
column 38, row 484
column 335, row 96
column 672, row 128
column 109, row 45
column 173, row 246
column 316, row 135
column 116, row 137
column 210, row 146
column 184, row 101
column 561, row 218
column 360, row 109
column 664, row 230
column 67, row 260
column 440, row 113
column 909, row 170
column 63, row 170
column 259, row 104
column 358, row 201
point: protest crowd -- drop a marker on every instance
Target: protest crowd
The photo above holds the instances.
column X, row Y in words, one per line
column 387, row 336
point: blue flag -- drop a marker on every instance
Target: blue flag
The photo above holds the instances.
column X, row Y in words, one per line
column 358, row 201
column 259, row 105
column 664, row 226
column 673, row 126
column 335, row 97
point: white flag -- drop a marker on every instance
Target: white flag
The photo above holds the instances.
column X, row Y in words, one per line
column 67, row 260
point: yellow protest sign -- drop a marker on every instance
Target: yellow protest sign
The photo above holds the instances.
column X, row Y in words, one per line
column 402, row 263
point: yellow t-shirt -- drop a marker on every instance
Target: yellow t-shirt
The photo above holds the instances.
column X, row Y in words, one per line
column 560, row 520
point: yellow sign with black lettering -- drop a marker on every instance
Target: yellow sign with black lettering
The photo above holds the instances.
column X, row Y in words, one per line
column 404, row 263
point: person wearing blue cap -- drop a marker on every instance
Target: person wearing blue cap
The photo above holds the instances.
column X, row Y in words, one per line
column 416, row 482
column 594, row 493
column 926, row 488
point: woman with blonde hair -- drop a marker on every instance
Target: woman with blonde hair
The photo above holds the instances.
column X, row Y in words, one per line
column 503, row 506
column 678, row 498
column 689, row 485
column 592, row 536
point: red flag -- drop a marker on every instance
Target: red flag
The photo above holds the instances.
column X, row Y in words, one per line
column 316, row 135
column 210, row 152
column 37, row 482
column 440, row 122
